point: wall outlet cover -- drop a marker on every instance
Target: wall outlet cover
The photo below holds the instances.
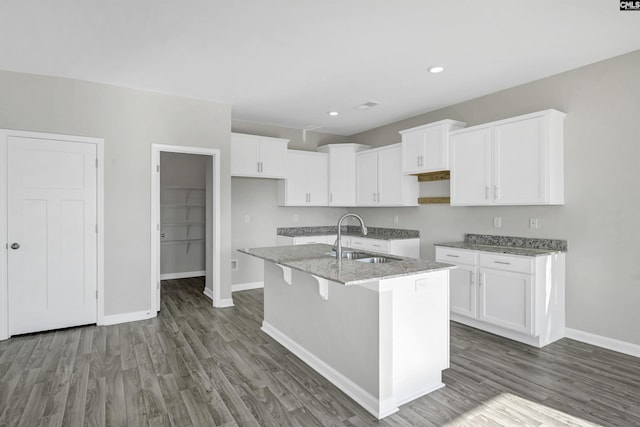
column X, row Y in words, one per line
column 497, row 222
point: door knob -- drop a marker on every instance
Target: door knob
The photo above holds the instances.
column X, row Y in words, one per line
column 15, row 245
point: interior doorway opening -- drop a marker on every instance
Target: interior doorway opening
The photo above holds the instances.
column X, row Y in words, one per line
column 185, row 223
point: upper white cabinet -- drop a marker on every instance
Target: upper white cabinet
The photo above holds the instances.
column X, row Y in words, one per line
column 258, row 156
column 342, row 172
column 517, row 161
column 380, row 180
column 306, row 183
column 426, row 148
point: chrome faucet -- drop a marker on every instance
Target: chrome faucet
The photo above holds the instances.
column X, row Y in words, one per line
column 339, row 240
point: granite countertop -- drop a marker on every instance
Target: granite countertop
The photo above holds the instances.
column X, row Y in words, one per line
column 524, row 246
column 350, row 230
column 316, row 259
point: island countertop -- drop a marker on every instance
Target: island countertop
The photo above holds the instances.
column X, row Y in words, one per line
column 316, row 259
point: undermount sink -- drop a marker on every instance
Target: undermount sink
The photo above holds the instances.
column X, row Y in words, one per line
column 375, row 260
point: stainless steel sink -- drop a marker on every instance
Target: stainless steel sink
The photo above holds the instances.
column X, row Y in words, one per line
column 377, row 259
column 355, row 255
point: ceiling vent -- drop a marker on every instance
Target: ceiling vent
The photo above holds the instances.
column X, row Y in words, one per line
column 367, row 105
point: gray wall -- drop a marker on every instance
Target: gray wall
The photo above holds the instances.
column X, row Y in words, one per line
column 129, row 121
column 257, row 199
column 600, row 218
column 182, row 170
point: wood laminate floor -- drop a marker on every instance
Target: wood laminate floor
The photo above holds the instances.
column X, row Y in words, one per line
column 198, row 366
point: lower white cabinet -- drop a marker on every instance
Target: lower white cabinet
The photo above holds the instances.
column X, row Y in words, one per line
column 518, row 297
column 400, row 247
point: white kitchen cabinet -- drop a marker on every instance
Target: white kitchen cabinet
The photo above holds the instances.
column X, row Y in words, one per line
column 306, row 183
column 380, row 181
column 400, row 247
column 517, row 161
column 518, row 297
column 342, row 172
column 426, row 148
column 463, row 280
column 258, row 156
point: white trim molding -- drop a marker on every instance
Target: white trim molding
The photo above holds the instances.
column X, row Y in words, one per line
column 247, row 286
column 221, row 303
column 115, row 319
column 604, row 342
column 379, row 408
column 183, row 275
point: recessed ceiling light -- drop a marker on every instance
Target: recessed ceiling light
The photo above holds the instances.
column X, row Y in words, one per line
column 333, row 113
column 436, row 69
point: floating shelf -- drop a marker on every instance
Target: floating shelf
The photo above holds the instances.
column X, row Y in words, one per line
column 432, row 200
column 433, row 176
column 177, row 187
column 177, row 224
column 182, row 206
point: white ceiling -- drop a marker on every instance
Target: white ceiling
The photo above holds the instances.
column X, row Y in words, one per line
column 289, row 62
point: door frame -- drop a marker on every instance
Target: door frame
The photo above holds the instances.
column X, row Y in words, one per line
column 4, row 283
column 214, row 218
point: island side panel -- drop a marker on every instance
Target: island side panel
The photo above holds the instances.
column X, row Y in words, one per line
column 420, row 336
column 341, row 331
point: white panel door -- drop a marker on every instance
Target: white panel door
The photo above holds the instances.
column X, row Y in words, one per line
column 413, row 151
column 297, row 177
column 462, row 285
column 367, row 178
column 505, row 300
column 390, row 176
column 519, row 162
column 471, row 168
column 52, row 216
column 317, row 179
column 244, row 155
column 435, row 157
column 273, row 159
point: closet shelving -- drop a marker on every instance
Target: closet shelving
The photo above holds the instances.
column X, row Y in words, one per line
column 183, row 202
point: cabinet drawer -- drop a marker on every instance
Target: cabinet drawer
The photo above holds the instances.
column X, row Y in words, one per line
column 455, row 256
column 304, row 240
column 507, row 262
column 370, row 244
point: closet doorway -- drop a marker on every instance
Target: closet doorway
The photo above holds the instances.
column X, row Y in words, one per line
column 185, row 217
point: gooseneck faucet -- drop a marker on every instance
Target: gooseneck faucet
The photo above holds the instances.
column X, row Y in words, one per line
column 339, row 240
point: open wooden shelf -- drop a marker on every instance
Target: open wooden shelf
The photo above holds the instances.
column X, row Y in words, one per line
column 433, row 176
column 432, row 200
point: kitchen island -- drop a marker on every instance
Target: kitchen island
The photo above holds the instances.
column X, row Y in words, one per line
column 378, row 331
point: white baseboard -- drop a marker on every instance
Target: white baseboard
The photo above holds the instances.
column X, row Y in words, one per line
column 223, row 303
column 366, row 400
column 183, row 275
column 246, row 286
column 114, row 319
column 604, row 342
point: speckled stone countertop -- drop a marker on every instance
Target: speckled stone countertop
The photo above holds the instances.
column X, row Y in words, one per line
column 316, row 259
column 350, row 230
column 525, row 246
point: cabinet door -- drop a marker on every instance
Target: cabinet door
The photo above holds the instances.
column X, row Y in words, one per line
column 471, row 168
column 412, row 151
column 390, row 177
column 463, row 291
column 367, row 178
column 519, row 162
column 273, row 159
column 342, row 177
column 296, row 184
column 317, row 179
column 436, row 157
column 244, row 156
column 505, row 300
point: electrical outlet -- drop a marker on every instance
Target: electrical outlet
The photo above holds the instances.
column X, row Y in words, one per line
column 296, row 217
column 234, row 264
column 533, row 223
column 497, row 222
column 247, row 218
column 396, row 219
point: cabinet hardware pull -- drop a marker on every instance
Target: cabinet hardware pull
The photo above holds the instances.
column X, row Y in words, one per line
column 496, row 191
column 330, row 197
column 481, row 279
column 453, row 256
column 258, row 166
column 418, row 161
column 502, row 262
column 378, row 197
column 374, row 197
column 309, row 197
column 486, row 192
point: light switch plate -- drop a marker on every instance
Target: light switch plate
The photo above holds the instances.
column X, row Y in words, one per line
column 533, row 223
column 497, row 222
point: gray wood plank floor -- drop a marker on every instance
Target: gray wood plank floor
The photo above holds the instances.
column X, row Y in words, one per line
column 198, row 366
